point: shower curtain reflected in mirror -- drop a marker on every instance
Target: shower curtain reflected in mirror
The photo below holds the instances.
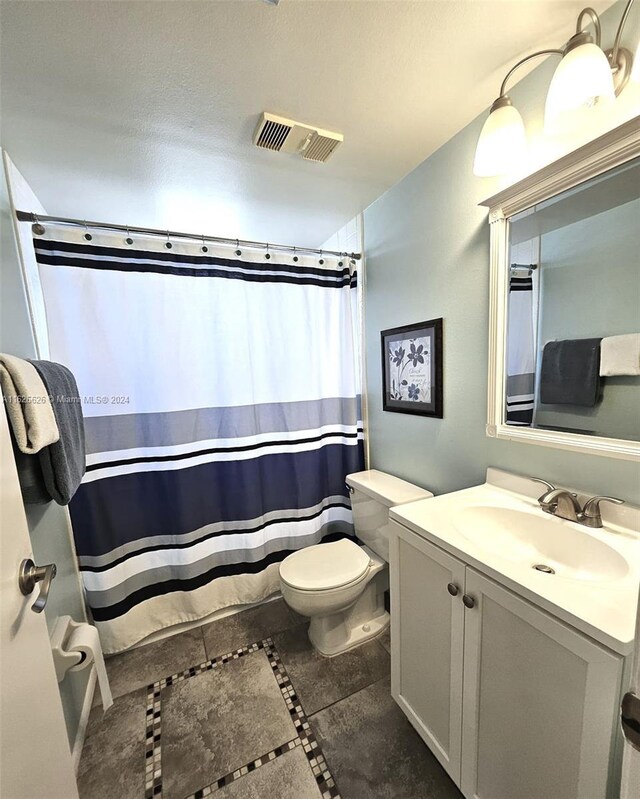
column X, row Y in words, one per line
column 521, row 346
column 221, row 396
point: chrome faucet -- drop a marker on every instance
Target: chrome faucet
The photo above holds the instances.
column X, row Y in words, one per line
column 591, row 512
column 564, row 504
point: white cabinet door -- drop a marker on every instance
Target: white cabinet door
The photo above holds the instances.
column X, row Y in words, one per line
column 427, row 628
column 540, row 702
column 631, row 756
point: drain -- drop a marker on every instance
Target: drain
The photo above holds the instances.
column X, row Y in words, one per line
column 542, row 567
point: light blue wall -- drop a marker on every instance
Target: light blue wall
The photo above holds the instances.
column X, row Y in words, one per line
column 427, row 255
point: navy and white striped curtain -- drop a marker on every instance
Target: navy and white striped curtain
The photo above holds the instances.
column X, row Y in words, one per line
column 221, row 396
column 521, row 349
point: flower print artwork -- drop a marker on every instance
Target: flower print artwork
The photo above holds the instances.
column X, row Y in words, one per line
column 410, row 369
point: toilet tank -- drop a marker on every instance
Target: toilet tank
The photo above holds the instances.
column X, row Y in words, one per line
column 372, row 494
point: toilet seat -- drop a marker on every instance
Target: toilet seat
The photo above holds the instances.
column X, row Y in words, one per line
column 324, row 567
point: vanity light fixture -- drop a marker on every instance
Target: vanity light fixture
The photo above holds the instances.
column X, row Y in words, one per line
column 503, row 142
column 586, row 76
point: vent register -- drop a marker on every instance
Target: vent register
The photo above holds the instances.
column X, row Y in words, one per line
column 287, row 136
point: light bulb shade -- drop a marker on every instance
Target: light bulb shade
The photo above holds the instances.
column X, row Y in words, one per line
column 502, row 145
column 582, row 79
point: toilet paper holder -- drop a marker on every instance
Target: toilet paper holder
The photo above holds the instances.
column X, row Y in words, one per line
column 63, row 660
column 76, row 646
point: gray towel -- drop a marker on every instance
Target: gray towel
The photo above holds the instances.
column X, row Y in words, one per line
column 32, row 487
column 569, row 374
column 63, row 463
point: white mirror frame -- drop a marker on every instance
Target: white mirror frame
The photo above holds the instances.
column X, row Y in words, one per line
column 598, row 156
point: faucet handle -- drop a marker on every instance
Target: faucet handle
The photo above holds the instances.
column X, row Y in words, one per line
column 592, row 506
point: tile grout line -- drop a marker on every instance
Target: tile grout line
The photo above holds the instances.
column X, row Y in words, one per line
column 348, row 696
column 305, row 736
column 353, row 693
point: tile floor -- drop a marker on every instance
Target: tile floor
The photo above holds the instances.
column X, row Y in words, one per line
column 246, row 709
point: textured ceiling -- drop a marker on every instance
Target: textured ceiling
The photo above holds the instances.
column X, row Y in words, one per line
column 143, row 112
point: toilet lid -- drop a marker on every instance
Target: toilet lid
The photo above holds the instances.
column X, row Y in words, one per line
column 325, row 566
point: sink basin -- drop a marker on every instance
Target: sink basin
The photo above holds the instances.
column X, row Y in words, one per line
column 559, row 547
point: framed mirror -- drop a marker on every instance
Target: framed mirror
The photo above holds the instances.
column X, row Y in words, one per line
column 564, row 346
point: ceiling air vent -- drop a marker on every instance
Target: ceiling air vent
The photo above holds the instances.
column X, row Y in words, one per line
column 321, row 146
column 287, row 136
column 272, row 134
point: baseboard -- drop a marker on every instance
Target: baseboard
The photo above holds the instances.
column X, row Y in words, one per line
column 84, row 719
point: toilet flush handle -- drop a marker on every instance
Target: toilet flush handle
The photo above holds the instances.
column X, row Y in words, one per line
column 349, row 488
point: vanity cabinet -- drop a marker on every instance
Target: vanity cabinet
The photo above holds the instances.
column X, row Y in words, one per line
column 427, row 632
column 511, row 701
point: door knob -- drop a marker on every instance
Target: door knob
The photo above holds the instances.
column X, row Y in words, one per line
column 29, row 575
column 453, row 589
column 469, row 601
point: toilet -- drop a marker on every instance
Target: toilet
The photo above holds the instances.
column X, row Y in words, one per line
column 340, row 585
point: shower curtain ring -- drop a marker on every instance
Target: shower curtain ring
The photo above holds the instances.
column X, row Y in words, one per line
column 267, row 255
column 204, row 247
column 238, row 250
column 36, row 228
column 167, row 243
column 128, row 240
column 295, row 257
column 321, row 261
column 87, row 235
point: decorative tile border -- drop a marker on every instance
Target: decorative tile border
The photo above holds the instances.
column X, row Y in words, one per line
column 240, row 772
column 153, row 754
column 305, row 736
column 153, row 747
column 318, row 764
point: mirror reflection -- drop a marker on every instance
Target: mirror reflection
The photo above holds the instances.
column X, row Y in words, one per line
column 573, row 332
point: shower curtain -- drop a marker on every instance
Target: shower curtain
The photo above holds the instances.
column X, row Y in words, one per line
column 521, row 349
column 221, row 395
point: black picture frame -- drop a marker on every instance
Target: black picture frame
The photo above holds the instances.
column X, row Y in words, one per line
column 412, row 368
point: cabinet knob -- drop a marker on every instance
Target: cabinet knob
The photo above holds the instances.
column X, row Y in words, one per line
column 469, row 601
column 453, row 589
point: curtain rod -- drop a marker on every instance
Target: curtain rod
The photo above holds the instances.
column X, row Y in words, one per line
column 29, row 216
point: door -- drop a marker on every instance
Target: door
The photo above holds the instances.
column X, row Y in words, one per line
column 427, row 628
column 540, row 702
column 34, row 750
column 631, row 754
